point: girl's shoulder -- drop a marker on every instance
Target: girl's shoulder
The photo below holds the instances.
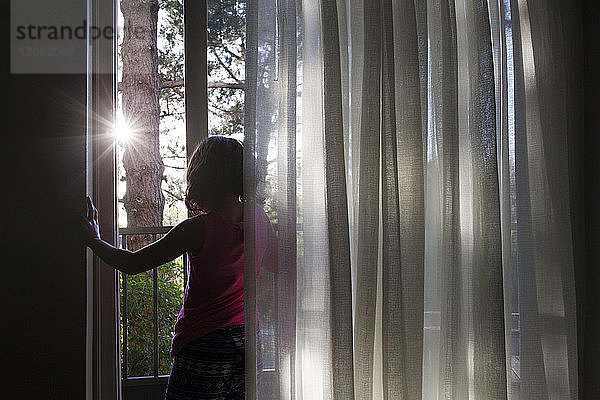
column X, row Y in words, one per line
column 194, row 229
column 215, row 217
column 196, row 221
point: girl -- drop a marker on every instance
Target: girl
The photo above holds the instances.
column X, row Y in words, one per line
column 208, row 345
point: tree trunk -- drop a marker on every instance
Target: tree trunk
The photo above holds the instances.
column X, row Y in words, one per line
column 141, row 85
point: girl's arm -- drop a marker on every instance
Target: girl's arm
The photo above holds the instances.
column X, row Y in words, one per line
column 186, row 236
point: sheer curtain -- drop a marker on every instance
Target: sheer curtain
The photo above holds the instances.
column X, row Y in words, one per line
column 417, row 162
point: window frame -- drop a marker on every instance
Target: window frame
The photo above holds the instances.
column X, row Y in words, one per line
column 102, row 344
column 103, row 353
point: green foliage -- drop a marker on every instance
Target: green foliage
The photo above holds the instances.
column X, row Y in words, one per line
column 225, row 64
column 140, row 315
column 171, row 53
column 227, row 23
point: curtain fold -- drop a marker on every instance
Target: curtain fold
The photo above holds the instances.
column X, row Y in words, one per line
column 482, row 241
column 367, row 203
column 250, row 123
column 403, row 205
column 340, row 276
column 544, row 263
column 285, row 197
column 417, row 161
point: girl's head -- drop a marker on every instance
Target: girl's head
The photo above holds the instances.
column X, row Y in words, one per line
column 214, row 174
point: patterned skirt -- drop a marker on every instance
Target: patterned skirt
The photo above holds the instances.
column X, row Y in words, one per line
column 211, row 367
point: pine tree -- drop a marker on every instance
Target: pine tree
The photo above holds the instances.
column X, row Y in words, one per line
column 141, row 87
column 154, row 69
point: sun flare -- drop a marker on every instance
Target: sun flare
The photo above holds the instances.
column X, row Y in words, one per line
column 122, row 131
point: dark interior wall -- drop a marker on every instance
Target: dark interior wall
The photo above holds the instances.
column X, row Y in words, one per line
column 42, row 292
column 591, row 344
column 43, row 281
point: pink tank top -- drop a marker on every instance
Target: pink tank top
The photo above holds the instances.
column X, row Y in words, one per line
column 214, row 294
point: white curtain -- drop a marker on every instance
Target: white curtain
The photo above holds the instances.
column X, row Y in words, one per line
column 416, row 160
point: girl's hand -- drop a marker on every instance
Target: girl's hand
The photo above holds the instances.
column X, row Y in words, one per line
column 89, row 223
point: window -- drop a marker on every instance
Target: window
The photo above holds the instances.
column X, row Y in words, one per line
column 105, row 90
column 200, row 62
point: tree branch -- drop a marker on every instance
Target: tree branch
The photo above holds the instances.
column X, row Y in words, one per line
column 226, row 85
column 237, row 56
column 210, row 85
column 229, row 71
column 172, row 114
column 172, row 84
column 173, row 195
column 223, row 110
column 174, row 167
column 173, row 157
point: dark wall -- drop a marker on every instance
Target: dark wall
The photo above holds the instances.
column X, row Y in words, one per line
column 591, row 343
column 42, row 180
column 43, row 283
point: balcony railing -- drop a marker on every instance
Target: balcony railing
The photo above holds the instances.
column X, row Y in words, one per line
column 155, row 377
column 431, row 321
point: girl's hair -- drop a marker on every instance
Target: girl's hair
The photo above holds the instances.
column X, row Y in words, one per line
column 215, row 169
